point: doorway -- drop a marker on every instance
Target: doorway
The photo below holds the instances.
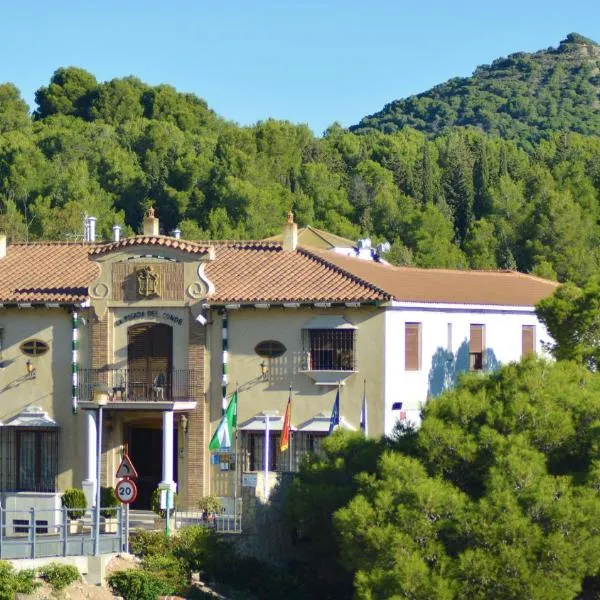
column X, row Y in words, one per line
column 149, row 355
column 145, row 451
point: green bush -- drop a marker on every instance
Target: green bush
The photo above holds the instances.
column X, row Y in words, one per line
column 150, row 543
column 210, row 504
column 136, row 584
column 195, row 545
column 74, row 500
column 59, row 576
column 155, row 504
column 108, row 499
column 166, row 567
column 12, row 583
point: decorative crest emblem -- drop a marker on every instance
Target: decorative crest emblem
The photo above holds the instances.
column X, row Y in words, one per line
column 148, row 282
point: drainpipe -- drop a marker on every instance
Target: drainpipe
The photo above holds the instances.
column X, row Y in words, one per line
column 225, row 347
column 74, row 360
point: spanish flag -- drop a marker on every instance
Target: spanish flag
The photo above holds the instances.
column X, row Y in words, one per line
column 284, row 440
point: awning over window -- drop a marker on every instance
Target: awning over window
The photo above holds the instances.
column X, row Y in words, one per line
column 32, row 416
column 320, row 424
column 329, row 322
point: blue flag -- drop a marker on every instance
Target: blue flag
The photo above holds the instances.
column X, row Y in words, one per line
column 364, row 416
column 335, row 413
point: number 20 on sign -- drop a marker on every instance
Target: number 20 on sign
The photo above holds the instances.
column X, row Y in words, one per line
column 126, row 491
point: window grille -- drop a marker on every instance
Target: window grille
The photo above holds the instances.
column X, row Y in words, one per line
column 28, row 459
column 329, row 349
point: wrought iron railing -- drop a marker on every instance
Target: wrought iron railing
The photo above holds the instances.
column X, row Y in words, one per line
column 138, row 385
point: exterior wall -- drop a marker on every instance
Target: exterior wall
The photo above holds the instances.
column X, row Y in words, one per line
column 442, row 359
column 51, row 388
column 248, row 327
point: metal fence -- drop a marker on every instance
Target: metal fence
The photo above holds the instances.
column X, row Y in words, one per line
column 221, row 523
column 36, row 533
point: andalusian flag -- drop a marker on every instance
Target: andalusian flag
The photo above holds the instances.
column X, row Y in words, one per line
column 223, row 436
column 284, row 440
column 335, row 413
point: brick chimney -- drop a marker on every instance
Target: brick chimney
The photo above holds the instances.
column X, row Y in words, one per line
column 2, row 245
column 290, row 234
column 150, row 223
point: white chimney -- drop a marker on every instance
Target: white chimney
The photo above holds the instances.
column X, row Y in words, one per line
column 176, row 233
column 90, row 229
column 290, row 234
column 2, row 245
column 150, row 223
column 116, row 233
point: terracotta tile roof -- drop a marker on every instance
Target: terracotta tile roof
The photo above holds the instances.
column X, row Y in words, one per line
column 410, row 284
column 151, row 240
column 262, row 272
column 46, row 272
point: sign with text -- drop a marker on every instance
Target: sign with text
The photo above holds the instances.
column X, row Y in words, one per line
column 126, row 491
column 249, row 480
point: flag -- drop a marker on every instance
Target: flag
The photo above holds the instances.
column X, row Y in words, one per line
column 335, row 413
column 223, row 436
column 284, row 440
column 364, row 417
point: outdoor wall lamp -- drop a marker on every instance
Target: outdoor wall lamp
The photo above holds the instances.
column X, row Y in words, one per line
column 183, row 421
column 264, row 370
column 29, row 369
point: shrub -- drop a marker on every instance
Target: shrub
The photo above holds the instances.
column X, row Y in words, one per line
column 135, row 584
column 155, row 504
column 74, row 500
column 210, row 504
column 150, row 543
column 108, row 499
column 166, row 567
column 59, row 576
column 12, row 583
column 195, row 545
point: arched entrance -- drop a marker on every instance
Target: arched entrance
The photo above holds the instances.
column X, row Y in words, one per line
column 149, row 358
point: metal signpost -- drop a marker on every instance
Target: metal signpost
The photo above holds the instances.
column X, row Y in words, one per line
column 126, row 491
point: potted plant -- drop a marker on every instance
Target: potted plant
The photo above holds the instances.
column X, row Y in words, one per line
column 210, row 507
column 73, row 499
column 108, row 504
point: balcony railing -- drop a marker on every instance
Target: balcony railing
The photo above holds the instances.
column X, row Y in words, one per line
column 134, row 385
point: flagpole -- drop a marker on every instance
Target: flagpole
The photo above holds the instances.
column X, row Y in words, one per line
column 290, row 434
column 235, row 463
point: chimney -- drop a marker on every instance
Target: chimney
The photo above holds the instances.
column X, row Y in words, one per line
column 116, row 233
column 290, row 234
column 150, row 223
column 2, row 245
column 90, row 229
column 176, row 233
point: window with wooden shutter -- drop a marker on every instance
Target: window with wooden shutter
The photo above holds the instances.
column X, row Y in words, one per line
column 527, row 340
column 476, row 347
column 412, row 346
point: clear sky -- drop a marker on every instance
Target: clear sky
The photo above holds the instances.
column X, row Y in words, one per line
column 307, row 62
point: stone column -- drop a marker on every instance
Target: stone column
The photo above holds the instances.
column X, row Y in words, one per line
column 168, row 442
column 89, row 483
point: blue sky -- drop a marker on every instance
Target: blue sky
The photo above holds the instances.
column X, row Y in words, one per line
column 307, row 62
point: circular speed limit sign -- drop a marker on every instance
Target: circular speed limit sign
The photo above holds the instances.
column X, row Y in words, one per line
column 126, row 491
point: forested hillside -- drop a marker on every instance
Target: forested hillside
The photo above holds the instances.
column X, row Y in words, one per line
column 461, row 198
column 524, row 97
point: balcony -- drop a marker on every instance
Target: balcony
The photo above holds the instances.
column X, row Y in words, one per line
column 142, row 389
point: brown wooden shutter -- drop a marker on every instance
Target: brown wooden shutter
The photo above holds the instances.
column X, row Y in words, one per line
column 412, row 347
column 476, row 339
column 527, row 339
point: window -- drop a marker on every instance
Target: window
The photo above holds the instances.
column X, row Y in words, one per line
column 34, row 347
column 28, row 459
column 412, row 346
column 527, row 340
column 329, row 349
column 270, row 349
column 476, row 347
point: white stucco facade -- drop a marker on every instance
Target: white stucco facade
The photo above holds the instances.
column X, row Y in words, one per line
column 444, row 349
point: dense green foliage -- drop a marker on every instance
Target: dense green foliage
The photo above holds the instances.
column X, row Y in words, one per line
column 12, row 582
column 572, row 317
column 522, row 97
column 108, row 500
column 59, row 576
column 135, row 584
column 73, row 499
column 496, row 496
column 460, row 199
